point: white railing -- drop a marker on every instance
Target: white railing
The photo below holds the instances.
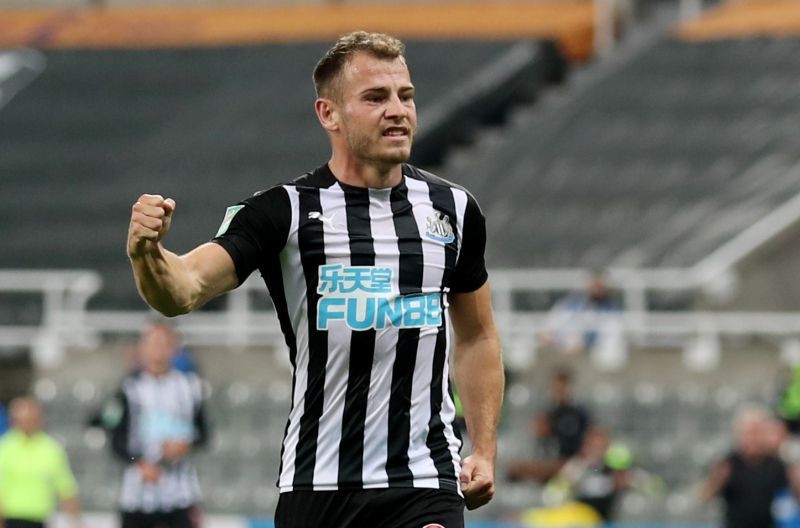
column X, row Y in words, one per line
column 65, row 296
column 66, row 320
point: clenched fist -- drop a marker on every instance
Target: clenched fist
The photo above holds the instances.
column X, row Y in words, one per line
column 151, row 217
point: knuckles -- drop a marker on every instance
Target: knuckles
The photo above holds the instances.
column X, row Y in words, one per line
column 151, row 199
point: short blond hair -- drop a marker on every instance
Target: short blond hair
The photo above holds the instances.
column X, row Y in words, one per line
column 330, row 66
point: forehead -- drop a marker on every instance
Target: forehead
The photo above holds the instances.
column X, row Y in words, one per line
column 158, row 335
column 26, row 407
column 364, row 71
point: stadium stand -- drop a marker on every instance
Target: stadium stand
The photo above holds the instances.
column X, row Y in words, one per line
column 712, row 154
column 98, row 128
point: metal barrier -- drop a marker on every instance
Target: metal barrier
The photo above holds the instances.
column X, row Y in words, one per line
column 246, row 320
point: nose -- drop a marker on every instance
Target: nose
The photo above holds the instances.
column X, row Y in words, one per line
column 395, row 108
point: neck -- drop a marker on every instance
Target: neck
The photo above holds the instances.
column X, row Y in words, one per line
column 157, row 372
column 359, row 173
column 27, row 434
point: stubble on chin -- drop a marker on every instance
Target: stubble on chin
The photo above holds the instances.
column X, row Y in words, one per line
column 371, row 151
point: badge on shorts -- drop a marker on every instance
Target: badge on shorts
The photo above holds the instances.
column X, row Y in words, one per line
column 226, row 222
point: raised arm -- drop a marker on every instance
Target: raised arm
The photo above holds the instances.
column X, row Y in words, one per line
column 480, row 380
column 173, row 284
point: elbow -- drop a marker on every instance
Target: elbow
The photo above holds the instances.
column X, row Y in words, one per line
column 173, row 311
column 169, row 307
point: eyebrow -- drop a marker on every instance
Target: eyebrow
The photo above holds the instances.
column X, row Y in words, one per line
column 383, row 89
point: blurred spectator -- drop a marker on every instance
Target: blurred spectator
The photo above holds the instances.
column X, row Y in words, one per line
column 565, row 422
column 583, row 320
column 585, row 490
column 596, row 474
column 785, row 506
column 561, row 428
column 751, row 477
column 3, row 419
column 34, row 471
column 789, row 403
column 182, row 357
column 156, row 419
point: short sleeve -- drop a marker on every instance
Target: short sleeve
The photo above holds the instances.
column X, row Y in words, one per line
column 64, row 480
column 255, row 229
column 470, row 273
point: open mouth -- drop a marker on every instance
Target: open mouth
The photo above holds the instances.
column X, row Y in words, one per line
column 396, row 132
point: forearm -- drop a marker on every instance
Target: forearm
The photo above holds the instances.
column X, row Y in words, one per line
column 480, row 381
column 164, row 281
column 707, row 491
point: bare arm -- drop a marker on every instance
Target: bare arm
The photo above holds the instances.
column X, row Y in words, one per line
column 717, row 478
column 480, row 380
column 793, row 476
column 173, row 284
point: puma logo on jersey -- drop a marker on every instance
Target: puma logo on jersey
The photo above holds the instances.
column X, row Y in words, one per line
column 327, row 220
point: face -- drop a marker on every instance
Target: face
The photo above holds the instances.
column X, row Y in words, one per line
column 26, row 415
column 749, row 434
column 598, row 289
column 156, row 348
column 560, row 388
column 376, row 113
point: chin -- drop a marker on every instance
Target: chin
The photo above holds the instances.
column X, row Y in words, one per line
column 396, row 156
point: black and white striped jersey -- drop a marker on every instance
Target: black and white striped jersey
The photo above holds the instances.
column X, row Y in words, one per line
column 359, row 278
column 147, row 411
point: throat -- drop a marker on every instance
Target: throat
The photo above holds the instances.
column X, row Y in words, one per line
column 371, row 175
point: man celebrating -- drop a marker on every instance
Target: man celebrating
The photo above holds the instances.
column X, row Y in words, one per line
column 368, row 260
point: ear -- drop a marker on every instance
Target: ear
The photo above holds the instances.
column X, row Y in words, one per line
column 328, row 114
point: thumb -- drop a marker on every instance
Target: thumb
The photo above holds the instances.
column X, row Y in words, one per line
column 466, row 475
column 169, row 206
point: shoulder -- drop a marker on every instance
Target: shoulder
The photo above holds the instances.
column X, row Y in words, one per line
column 432, row 179
column 276, row 198
column 50, row 444
column 190, row 379
column 129, row 382
column 320, row 178
column 266, row 198
column 131, row 378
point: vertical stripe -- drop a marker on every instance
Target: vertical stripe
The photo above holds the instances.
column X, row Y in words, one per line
column 410, row 281
column 420, row 460
column 376, row 433
column 438, row 441
column 448, row 412
column 293, row 283
column 443, row 201
column 312, row 254
column 337, row 251
column 460, row 204
column 362, row 348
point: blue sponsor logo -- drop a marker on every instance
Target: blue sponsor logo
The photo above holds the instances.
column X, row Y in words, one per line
column 362, row 297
